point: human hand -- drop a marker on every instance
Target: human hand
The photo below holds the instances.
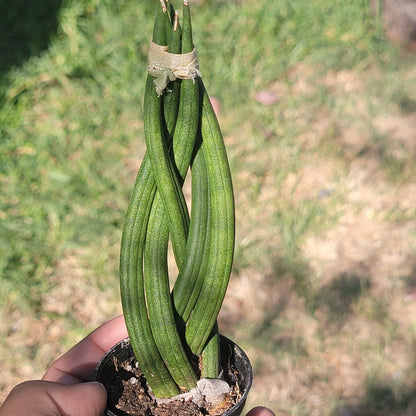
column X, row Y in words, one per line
column 61, row 392
column 66, row 388
column 44, row 398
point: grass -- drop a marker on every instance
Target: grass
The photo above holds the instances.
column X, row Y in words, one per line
column 323, row 181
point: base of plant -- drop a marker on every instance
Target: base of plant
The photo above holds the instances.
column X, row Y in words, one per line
column 128, row 392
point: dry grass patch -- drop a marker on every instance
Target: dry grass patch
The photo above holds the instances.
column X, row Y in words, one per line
column 325, row 292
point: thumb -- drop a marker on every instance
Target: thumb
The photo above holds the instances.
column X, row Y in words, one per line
column 44, row 398
column 83, row 399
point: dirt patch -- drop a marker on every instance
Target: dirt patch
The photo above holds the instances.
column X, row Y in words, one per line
column 73, row 295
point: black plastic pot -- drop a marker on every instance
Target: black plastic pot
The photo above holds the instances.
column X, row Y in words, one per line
column 232, row 356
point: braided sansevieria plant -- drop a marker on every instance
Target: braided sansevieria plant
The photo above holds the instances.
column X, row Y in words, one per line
column 174, row 332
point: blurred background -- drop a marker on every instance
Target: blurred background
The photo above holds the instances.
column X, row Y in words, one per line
column 317, row 102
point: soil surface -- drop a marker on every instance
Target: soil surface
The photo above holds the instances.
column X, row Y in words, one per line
column 134, row 398
column 129, row 394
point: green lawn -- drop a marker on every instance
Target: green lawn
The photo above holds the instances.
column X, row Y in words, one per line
column 328, row 168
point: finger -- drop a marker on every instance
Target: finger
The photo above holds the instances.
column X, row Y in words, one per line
column 43, row 398
column 260, row 411
column 78, row 364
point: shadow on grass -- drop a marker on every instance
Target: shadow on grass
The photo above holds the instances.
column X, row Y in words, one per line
column 395, row 397
column 410, row 281
column 25, row 30
column 337, row 297
column 383, row 399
